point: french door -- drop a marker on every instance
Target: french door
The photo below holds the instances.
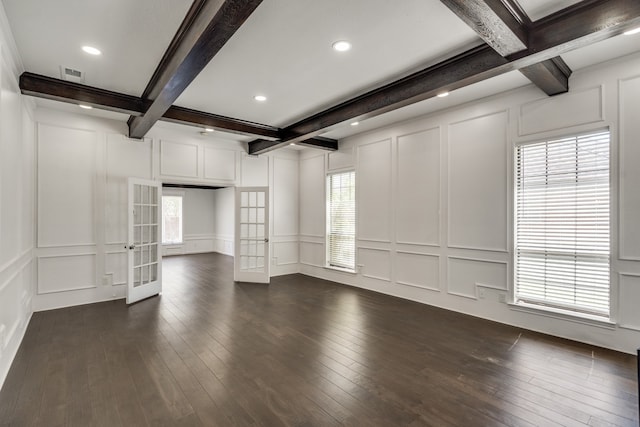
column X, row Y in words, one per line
column 251, row 261
column 143, row 247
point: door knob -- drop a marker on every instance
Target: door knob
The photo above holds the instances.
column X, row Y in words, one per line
column 266, row 240
column 130, row 247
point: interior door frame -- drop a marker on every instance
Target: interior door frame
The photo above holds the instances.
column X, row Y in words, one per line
column 245, row 276
column 135, row 294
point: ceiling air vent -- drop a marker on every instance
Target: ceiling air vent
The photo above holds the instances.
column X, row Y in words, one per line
column 71, row 75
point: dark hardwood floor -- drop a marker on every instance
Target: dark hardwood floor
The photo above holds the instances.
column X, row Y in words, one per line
column 301, row 352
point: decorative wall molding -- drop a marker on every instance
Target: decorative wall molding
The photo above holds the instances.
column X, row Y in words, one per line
column 622, row 170
column 233, row 160
column 383, row 197
column 623, row 296
column 435, row 288
column 164, row 147
column 476, row 283
column 39, row 266
column 397, row 186
column 507, row 196
column 362, row 266
column 566, row 106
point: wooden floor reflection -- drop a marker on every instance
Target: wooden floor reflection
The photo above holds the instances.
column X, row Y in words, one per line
column 301, row 352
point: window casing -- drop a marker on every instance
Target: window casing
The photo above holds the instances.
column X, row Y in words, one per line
column 341, row 220
column 172, row 220
column 562, row 232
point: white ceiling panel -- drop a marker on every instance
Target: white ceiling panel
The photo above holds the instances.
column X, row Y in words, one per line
column 537, row 9
column 602, row 51
column 284, row 52
column 132, row 35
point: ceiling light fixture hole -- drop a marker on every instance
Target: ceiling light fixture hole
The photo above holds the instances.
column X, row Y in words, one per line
column 91, row 50
column 341, row 46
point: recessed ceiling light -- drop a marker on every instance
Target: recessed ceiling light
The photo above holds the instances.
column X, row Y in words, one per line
column 632, row 32
column 443, row 94
column 86, row 107
column 355, row 123
column 342, row 46
column 260, row 98
column 293, row 143
column 208, row 129
column 91, row 50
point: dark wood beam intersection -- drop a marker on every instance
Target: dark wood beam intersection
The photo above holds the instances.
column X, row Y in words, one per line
column 208, row 26
column 494, row 23
column 261, row 146
column 571, row 28
column 504, row 26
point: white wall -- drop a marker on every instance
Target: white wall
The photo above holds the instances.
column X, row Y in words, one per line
column 83, row 165
column 198, row 216
column 435, row 202
column 224, row 200
column 16, row 202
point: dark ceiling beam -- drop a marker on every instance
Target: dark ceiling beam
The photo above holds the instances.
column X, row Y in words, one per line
column 494, row 23
column 187, row 116
column 193, row 186
column 208, row 26
column 74, row 93
column 551, row 76
column 320, row 143
column 261, row 146
column 504, row 26
column 576, row 26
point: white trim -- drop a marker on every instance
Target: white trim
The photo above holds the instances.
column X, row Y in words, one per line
column 430, row 245
column 505, row 248
column 438, row 241
column 400, row 251
column 389, row 196
column 620, row 324
column 57, row 291
column 601, row 117
column 415, row 285
column 563, row 315
column 67, row 245
column 477, row 284
column 330, row 267
column 474, row 248
column 160, row 162
column 621, row 149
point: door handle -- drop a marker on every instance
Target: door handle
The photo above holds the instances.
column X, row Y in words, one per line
column 266, row 240
column 130, row 247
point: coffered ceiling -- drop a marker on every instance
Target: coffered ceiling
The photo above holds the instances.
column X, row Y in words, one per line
column 283, row 51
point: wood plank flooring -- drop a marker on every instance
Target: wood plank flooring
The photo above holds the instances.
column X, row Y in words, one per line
column 301, row 352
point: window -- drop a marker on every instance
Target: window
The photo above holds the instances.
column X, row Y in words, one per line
column 341, row 220
column 171, row 220
column 562, row 224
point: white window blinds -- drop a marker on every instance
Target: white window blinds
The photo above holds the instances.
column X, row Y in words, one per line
column 341, row 219
column 562, row 223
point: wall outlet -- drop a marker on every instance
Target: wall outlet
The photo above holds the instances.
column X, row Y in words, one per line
column 482, row 293
column 107, row 280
